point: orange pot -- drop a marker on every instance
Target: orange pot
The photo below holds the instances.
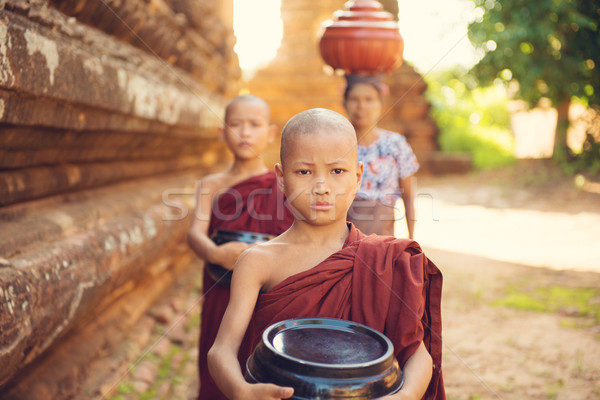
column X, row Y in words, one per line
column 362, row 39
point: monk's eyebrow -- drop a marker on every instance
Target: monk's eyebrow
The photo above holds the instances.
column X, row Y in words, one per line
column 338, row 161
column 301, row 163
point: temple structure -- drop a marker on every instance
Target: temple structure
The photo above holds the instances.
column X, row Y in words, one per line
column 297, row 78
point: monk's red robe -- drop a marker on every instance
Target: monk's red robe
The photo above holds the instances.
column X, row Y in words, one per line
column 253, row 205
column 385, row 283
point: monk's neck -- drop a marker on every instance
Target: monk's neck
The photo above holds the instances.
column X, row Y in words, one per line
column 328, row 236
column 247, row 168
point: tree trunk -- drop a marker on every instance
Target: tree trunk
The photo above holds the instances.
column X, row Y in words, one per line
column 562, row 125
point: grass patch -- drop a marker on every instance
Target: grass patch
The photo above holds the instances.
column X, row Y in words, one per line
column 583, row 302
column 125, row 388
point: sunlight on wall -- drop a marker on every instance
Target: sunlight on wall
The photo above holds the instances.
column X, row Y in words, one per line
column 258, row 29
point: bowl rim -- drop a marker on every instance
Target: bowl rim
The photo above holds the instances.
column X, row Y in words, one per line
column 335, row 323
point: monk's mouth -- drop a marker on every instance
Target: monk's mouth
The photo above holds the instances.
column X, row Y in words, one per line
column 322, row 206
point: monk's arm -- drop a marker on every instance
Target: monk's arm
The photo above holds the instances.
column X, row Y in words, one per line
column 198, row 240
column 417, row 374
column 222, row 357
column 407, row 186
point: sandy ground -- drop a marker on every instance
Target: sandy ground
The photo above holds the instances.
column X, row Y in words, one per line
column 522, row 228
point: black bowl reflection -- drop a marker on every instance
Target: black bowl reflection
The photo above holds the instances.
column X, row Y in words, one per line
column 326, row 358
column 222, row 275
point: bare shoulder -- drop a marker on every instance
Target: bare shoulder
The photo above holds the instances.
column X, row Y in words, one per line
column 258, row 262
column 214, row 182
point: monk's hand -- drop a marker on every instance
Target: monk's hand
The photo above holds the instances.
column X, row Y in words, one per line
column 227, row 254
column 267, row 391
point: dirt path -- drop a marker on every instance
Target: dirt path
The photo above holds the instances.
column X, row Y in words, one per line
column 511, row 237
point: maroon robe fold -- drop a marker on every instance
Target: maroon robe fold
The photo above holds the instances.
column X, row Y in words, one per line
column 253, row 205
column 385, row 283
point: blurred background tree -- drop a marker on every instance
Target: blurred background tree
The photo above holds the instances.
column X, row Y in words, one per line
column 541, row 49
column 472, row 119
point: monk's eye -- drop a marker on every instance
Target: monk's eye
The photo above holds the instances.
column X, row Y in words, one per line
column 303, row 172
column 337, row 171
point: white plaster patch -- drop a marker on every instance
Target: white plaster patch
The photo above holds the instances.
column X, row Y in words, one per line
column 122, row 78
column 93, row 65
column 140, row 93
column 6, row 75
column 110, row 243
column 150, row 227
column 173, row 102
column 135, row 235
column 62, row 219
column 46, row 47
column 124, row 239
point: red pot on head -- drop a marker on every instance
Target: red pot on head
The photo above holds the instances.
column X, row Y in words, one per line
column 362, row 39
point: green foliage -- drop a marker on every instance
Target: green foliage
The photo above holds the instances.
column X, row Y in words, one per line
column 471, row 120
column 551, row 48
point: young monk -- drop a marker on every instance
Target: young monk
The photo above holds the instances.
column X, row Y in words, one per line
column 245, row 197
column 323, row 267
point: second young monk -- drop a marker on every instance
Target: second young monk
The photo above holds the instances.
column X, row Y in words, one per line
column 324, row 267
column 245, row 197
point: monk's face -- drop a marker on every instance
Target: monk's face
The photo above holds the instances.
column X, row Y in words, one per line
column 320, row 175
column 363, row 106
column 247, row 130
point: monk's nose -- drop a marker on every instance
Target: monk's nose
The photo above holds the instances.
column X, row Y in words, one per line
column 244, row 131
column 320, row 186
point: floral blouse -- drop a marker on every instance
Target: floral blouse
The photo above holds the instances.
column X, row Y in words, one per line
column 385, row 161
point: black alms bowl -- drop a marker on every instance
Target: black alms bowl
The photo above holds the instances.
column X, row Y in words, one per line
column 222, row 275
column 326, row 358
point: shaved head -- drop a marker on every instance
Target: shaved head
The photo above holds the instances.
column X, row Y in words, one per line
column 247, row 98
column 316, row 121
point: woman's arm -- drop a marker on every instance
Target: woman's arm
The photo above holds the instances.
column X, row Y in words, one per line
column 408, row 197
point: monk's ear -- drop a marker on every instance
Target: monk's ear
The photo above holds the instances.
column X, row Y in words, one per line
column 279, row 176
column 272, row 133
column 360, row 169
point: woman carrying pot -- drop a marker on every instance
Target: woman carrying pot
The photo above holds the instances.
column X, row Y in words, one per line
column 389, row 162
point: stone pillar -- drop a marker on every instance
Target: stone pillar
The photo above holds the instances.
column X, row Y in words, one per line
column 297, row 78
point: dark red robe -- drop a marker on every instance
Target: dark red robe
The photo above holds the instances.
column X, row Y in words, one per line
column 383, row 282
column 254, row 205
